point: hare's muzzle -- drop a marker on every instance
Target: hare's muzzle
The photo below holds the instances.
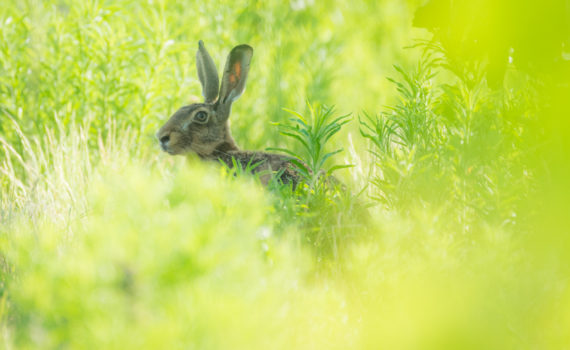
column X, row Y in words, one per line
column 164, row 139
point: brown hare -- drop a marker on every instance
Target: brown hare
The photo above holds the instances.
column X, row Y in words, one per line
column 203, row 128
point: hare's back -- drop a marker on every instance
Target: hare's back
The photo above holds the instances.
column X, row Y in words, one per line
column 263, row 163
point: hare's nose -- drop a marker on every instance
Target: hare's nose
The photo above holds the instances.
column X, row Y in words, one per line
column 163, row 139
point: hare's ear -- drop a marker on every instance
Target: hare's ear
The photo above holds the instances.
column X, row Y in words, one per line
column 235, row 74
column 207, row 73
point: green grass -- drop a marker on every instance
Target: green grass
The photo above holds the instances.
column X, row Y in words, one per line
column 445, row 225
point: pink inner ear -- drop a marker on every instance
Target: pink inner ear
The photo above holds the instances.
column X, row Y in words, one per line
column 237, row 70
column 235, row 74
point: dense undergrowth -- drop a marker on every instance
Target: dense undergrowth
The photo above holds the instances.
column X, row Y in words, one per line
column 442, row 227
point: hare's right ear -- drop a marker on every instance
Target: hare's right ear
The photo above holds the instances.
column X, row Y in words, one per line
column 235, row 74
column 207, row 73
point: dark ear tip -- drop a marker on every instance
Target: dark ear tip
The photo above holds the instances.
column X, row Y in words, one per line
column 243, row 47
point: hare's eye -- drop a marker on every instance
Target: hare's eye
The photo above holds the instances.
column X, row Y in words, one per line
column 201, row 117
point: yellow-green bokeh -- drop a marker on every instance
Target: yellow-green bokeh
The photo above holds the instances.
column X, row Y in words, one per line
column 107, row 243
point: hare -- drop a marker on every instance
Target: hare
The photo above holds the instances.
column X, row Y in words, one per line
column 203, row 128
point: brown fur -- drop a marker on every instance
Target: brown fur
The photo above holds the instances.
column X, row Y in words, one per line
column 211, row 139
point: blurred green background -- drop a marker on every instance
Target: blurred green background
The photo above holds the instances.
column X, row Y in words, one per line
column 451, row 230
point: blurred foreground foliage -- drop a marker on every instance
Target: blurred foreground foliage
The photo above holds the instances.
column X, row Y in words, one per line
column 191, row 260
column 445, row 226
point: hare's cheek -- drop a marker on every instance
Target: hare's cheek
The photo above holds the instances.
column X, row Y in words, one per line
column 176, row 140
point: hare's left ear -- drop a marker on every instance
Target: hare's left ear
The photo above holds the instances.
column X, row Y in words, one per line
column 235, row 74
column 207, row 73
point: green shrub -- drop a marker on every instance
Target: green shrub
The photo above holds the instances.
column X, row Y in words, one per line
column 446, row 144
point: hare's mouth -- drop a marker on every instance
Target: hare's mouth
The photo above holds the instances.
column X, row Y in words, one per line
column 167, row 149
column 171, row 151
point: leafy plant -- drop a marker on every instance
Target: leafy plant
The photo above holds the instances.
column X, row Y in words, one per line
column 313, row 134
column 329, row 211
column 445, row 143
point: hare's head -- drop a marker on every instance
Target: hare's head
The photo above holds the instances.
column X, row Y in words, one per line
column 203, row 127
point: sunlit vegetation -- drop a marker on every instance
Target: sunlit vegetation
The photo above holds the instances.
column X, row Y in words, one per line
column 431, row 139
